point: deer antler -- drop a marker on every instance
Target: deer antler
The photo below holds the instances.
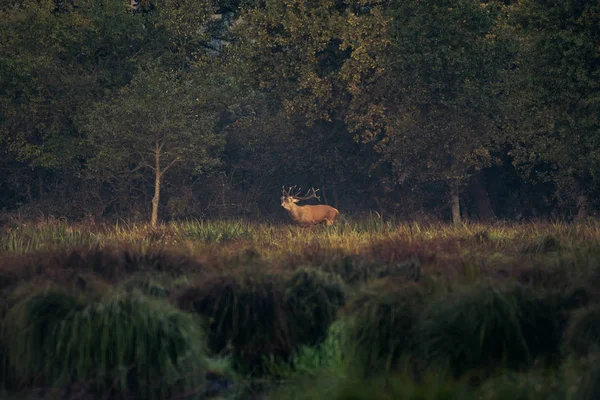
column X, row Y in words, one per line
column 287, row 192
column 312, row 193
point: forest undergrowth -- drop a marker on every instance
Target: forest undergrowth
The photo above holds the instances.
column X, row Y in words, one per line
column 369, row 308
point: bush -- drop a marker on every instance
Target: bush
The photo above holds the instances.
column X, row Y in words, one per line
column 583, row 334
column 487, row 326
column 145, row 347
column 381, row 324
column 257, row 315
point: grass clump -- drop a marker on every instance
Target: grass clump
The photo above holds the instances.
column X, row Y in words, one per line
column 255, row 315
column 326, row 358
column 488, row 326
column 313, row 299
column 127, row 343
column 246, row 315
column 381, row 325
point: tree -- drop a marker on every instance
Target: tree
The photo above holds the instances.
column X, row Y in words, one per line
column 153, row 125
column 556, row 96
column 56, row 59
column 441, row 93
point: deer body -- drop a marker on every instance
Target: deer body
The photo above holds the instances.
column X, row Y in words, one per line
column 308, row 214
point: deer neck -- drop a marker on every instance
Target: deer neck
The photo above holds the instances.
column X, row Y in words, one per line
column 295, row 211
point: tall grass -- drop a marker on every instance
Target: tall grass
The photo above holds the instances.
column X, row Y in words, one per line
column 24, row 239
column 488, row 326
column 214, row 231
column 127, row 343
column 381, row 325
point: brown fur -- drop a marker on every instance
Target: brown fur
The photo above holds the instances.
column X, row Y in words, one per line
column 309, row 215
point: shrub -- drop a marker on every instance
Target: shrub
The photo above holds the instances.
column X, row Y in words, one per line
column 583, row 334
column 148, row 348
column 487, row 325
column 381, row 323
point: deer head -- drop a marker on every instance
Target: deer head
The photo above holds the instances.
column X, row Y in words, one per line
column 290, row 197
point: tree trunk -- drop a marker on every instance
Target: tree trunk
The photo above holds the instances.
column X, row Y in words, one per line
column 582, row 208
column 157, row 177
column 455, row 203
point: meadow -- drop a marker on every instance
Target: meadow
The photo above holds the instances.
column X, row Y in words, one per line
column 369, row 308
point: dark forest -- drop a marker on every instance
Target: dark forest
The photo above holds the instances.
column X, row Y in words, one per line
column 453, row 110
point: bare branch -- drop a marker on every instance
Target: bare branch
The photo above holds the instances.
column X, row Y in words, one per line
column 165, row 169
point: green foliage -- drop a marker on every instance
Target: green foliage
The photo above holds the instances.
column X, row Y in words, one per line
column 444, row 73
column 327, row 358
column 143, row 346
column 485, row 326
column 556, row 96
column 381, row 325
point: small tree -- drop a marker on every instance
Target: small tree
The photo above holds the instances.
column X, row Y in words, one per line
column 153, row 125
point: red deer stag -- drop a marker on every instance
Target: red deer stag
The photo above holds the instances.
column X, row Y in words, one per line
column 308, row 214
